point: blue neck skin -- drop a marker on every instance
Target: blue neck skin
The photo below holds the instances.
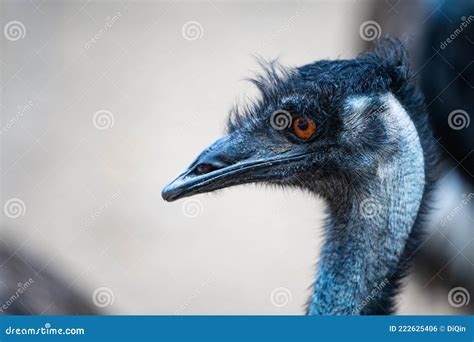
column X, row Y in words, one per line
column 365, row 240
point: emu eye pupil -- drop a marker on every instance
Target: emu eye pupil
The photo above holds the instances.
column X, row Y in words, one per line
column 303, row 124
column 304, row 127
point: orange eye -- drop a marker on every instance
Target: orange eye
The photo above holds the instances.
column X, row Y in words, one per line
column 304, row 127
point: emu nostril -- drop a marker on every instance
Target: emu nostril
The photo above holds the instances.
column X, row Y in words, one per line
column 202, row 169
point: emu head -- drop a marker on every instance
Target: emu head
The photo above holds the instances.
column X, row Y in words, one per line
column 312, row 126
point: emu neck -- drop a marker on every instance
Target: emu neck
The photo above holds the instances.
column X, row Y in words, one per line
column 367, row 233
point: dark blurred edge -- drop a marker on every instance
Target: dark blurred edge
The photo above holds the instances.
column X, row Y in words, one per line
column 32, row 286
column 445, row 71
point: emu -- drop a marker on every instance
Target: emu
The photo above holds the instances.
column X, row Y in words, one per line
column 354, row 132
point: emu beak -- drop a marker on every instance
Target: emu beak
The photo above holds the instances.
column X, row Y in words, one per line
column 225, row 163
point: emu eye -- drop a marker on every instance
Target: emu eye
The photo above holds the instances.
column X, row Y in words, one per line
column 303, row 127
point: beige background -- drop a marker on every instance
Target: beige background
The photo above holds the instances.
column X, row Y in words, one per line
column 93, row 208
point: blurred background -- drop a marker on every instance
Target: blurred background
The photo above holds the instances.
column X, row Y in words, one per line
column 104, row 102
